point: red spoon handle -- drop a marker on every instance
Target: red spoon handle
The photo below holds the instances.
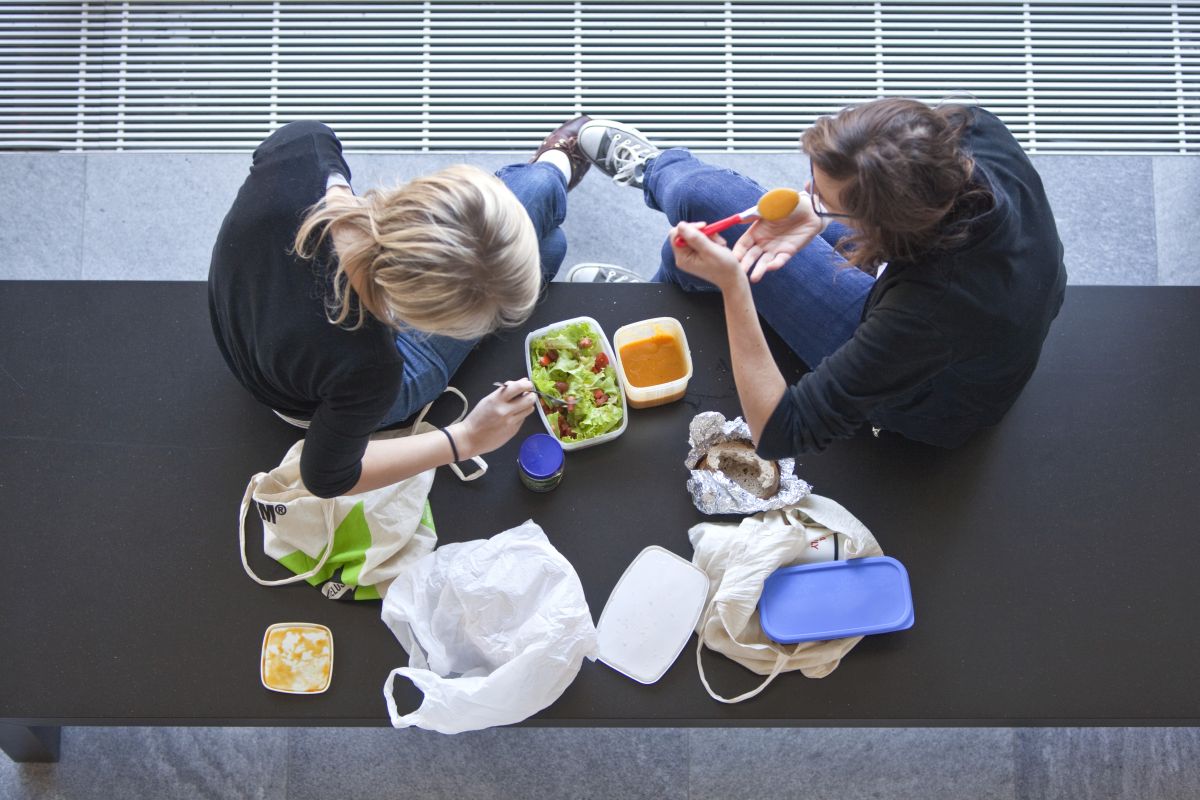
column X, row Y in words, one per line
column 714, row 227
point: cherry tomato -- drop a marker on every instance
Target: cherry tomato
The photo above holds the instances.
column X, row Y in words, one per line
column 544, row 360
column 561, row 386
column 585, row 343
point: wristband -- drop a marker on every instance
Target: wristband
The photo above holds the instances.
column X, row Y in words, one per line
column 453, row 447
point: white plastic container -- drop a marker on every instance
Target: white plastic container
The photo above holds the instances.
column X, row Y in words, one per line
column 607, row 347
column 651, row 614
column 662, row 393
column 270, row 659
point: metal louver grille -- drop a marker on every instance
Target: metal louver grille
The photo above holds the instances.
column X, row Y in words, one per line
column 1067, row 76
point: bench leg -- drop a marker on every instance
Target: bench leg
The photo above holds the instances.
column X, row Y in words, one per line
column 27, row 745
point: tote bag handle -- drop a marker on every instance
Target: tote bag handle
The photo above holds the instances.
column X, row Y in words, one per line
column 479, row 462
column 255, row 482
column 780, row 661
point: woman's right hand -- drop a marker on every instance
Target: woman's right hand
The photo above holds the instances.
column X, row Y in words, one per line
column 767, row 246
column 495, row 419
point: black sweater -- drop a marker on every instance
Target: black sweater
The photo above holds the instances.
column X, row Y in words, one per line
column 945, row 344
column 268, row 310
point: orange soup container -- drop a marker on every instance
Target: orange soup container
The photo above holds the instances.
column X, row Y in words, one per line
column 654, row 362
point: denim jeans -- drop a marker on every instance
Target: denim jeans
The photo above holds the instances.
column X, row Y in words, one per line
column 813, row 302
column 430, row 360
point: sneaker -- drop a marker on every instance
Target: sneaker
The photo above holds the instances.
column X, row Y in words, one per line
column 566, row 138
column 618, row 150
column 602, row 273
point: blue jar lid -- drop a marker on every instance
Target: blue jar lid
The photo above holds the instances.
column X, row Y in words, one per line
column 541, row 456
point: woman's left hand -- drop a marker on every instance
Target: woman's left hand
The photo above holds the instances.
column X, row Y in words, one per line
column 706, row 257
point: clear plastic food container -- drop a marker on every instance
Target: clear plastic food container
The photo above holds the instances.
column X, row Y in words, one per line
column 661, row 393
column 297, row 658
column 607, row 347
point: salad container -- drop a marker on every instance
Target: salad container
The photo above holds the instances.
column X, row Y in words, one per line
column 607, row 348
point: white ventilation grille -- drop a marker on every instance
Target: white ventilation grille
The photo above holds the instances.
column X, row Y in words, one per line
column 1066, row 76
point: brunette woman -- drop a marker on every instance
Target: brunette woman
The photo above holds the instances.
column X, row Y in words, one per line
column 918, row 276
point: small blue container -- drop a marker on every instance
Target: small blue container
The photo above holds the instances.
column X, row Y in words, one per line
column 540, row 462
column 836, row 599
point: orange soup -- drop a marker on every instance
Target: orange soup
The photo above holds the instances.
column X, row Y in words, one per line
column 649, row 362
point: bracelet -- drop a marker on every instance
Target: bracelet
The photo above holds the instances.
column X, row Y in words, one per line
column 453, row 447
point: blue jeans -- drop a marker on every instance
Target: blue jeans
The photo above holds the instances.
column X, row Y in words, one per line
column 430, row 360
column 814, row 302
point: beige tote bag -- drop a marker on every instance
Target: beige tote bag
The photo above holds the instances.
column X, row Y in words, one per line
column 738, row 558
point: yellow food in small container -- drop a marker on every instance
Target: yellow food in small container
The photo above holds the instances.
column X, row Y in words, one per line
column 654, row 362
column 297, row 658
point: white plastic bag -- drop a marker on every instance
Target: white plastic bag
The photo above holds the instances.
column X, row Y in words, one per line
column 495, row 630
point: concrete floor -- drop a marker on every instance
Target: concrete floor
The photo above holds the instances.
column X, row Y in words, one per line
column 141, row 216
column 135, row 216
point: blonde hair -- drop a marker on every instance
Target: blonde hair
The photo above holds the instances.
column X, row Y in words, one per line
column 452, row 253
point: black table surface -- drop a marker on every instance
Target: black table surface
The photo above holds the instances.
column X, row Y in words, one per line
column 1053, row 559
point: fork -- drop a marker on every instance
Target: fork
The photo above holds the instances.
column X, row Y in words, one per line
column 548, row 398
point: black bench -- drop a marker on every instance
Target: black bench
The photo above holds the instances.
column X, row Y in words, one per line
column 1053, row 559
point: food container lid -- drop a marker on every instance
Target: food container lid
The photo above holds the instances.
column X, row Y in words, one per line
column 651, row 614
column 540, row 455
column 836, row 599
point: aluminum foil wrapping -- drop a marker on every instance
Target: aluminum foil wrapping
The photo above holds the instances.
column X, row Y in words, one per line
column 712, row 492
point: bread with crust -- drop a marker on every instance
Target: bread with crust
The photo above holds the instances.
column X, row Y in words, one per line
column 738, row 462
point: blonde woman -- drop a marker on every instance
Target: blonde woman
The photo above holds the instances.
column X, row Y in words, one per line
column 345, row 314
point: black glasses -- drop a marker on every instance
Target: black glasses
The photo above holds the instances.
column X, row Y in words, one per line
column 817, row 206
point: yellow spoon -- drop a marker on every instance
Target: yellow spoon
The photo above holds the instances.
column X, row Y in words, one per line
column 774, row 205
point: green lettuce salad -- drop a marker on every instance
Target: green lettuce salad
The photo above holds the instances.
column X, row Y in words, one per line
column 570, row 363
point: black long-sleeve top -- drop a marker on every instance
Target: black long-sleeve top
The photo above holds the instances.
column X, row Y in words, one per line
column 945, row 344
column 268, row 310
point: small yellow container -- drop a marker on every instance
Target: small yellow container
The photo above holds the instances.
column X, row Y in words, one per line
column 662, row 393
column 297, row 658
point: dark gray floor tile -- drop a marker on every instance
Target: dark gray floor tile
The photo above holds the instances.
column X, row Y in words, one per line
column 1176, row 207
column 155, row 216
column 385, row 170
column 1108, row 763
column 611, row 224
column 42, row 209
column 610, row 763
column 853, row 763
column 1104, row 208
column 178, row 763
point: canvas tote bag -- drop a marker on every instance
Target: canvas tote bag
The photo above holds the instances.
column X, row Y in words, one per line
column 356, row 543
column 738, row 558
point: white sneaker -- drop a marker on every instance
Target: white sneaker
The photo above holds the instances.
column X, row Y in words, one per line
column 602, row 273
column 617, row 149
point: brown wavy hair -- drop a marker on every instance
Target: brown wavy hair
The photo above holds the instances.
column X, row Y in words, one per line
column 910, row 184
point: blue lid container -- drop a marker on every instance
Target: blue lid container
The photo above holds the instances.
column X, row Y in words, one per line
column 541, row 456
column 836, row 599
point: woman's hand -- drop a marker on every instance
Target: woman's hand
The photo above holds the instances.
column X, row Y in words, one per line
column 767, row 246
column 495, row 420
column 706, row 257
